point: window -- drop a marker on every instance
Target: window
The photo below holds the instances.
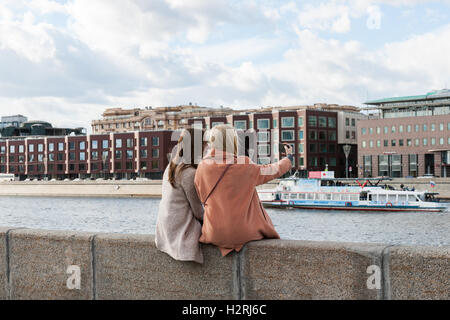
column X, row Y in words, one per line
column 82, row 145
column 3, row 149
column 347, row 134
column 155, row 165
column 347, row 122
column 129, row 165
column 363, row 131
column 323, row 122
column 364, row 144
column 301, row 161
column 313, row 135
column 30, row 148
column 118, row 165
column 60, row 156
column 130, row 143
column 130, row 154
column 21, row 159
column 144, row 141
column 263, row 136
column 367, row 166
column 105, row 144
column 61, row 146
column 408, row 142
column 118, row 154
column 441, row 127
column 118, row 143
column 333, row 162
column 331, row 122
column 393, row 142
column 323, row 148
column 370, row 131
column 378, row 143
column 155, row 141
column 94, row 144
column 71, row 145
column 433, row 127
column 425, row 142
column 21, row 148
column 105, row 155
column 378, row 130
column 416, row 128
column 322, row 135
column 441, row 141
column 51, row 157
column 417, row 142
column 287, row 135
column 400, row 129
column 386, row 143
column 353, row 122
column 143, row 153
column 155, row 153
column 371, row 143
column 312, row 147
column 82, row 156
column 425, row 128
column 300, row 121
column 301, row 148
column 400, row 143
column 242, row 124
column 12, row 149
column 94, row 155
column 301, row 135
column 353, row 134
column 312, row 121
column 71, row 156
column 386, row 130
column 287, row 122
column 393, row 129
column 264, row 150
column 216, row 124
column 332, row 135
column 433, row 141
column 143, row 165
column 263, row 124
column 250, row 124
column 408, row 128
column 314, row 161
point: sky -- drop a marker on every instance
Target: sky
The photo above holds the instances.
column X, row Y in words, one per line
column 66, row 61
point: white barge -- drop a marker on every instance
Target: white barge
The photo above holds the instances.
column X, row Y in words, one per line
column 319, row 194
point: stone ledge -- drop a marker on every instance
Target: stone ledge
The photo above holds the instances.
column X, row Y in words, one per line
column 419, row 273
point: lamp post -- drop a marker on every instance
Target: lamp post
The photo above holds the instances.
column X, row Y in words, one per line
column 347, row 148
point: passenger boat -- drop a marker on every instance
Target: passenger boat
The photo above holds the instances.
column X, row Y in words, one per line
column 325, row 194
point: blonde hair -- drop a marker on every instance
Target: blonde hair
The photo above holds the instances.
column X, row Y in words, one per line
column 224, row 138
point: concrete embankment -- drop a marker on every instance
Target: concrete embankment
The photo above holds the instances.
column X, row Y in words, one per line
column 120, row 188
column 152, row 188
column 39, row 264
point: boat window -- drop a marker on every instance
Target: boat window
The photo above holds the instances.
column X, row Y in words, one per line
column 293, row 196
column 336, row 196
column 370, row 197
column 322, row 196
column 402, row 198
column 285, row 196
column 382, row 198
column 392, row 198
column 363, row 196
column 310, row 196
column 355, row 197
column 412, row 198
column 302, row 196
column 328, row 196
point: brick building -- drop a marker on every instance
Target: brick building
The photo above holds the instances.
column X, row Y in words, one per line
column 411, row 138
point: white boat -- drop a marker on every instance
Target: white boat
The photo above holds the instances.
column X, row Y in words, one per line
column 319, row 194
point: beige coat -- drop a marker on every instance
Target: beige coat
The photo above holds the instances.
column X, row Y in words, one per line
column 234, row 214
column 178, row 228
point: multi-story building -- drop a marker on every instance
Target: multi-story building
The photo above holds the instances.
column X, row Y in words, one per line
column 12, row 121
column 165, row 118
column 119, row 155
column 411, row 137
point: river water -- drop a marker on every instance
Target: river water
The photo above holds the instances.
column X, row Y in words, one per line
column 138, row 216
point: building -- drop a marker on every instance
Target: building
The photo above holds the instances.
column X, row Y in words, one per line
column 411, row 137
column 164, row 118
column 119, row 155
column 12, row 121
column 37, row 128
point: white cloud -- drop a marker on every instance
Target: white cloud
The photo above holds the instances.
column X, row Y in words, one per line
column 325, row 17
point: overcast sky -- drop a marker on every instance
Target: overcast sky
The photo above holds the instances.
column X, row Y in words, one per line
column 66, row 61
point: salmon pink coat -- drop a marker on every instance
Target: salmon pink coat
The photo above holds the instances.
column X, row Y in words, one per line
column 234, row 214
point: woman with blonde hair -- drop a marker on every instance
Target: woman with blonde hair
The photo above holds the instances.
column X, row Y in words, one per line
column 178, row 226
column 226, row 185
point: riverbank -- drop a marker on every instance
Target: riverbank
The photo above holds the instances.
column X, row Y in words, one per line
column 152, row 188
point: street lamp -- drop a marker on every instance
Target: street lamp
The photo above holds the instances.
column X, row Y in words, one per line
column 347, row 148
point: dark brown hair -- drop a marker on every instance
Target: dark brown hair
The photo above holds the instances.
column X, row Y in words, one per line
column 184, row 156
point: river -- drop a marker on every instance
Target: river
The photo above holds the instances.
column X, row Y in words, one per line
column 138, row 216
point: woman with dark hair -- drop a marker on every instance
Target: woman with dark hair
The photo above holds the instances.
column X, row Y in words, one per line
column 178, row 226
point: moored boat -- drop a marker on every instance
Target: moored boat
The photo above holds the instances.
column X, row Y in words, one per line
column 315, row 194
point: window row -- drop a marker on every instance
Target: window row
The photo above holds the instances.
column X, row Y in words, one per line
column 406, row 128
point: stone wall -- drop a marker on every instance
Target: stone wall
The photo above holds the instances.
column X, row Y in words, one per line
column 40, row 264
